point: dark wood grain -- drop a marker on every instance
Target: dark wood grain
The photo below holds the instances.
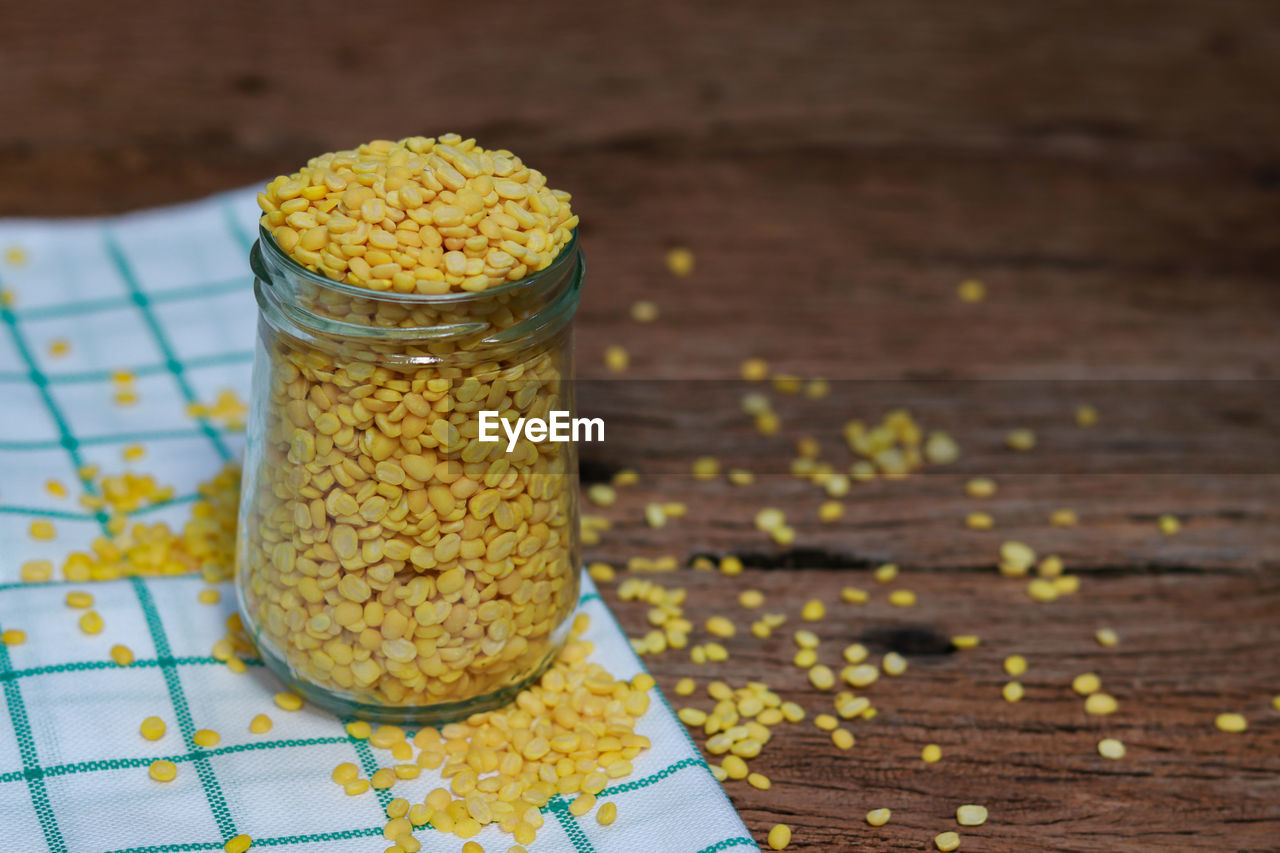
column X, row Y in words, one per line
column 1110, row 170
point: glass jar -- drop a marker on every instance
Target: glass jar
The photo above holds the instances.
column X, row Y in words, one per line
column 390, row 565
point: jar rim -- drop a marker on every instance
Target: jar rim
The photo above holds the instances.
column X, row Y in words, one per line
column 278, row 278
column 280, row 258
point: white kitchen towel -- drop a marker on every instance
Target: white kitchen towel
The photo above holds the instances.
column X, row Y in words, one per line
column 166, row 295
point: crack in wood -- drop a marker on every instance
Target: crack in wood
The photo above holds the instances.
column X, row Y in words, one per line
column 821, row 559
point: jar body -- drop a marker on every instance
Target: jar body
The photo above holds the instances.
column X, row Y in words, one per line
column 390, row 564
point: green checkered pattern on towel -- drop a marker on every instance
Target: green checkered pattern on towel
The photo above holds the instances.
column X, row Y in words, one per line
column 166, row 296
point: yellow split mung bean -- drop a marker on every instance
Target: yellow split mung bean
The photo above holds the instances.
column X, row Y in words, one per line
column 980, row 487
column 1086, row 683
column 947, row 841
column 855, row 653
column 971, row 290
column 1100, row 704
column 163, row 771
column 853, row 595
column 902, row 598
column 238, row 844
column 861, row 675
column 1231, row 722
column 644, row 311
column 813, row 611
column 1020, row 439
column 821, row 677
column 152, row 728
column 1111, row 748
column 979, row 521
column 1064, row 517
column 206, row 737
column 36, row 571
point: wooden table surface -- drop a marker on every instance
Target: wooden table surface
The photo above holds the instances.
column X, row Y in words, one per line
column 1110, row 170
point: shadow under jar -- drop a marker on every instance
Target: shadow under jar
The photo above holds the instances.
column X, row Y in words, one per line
column 390, row 565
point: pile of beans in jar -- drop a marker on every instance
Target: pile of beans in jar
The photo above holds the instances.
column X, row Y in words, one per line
column 392, row 556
